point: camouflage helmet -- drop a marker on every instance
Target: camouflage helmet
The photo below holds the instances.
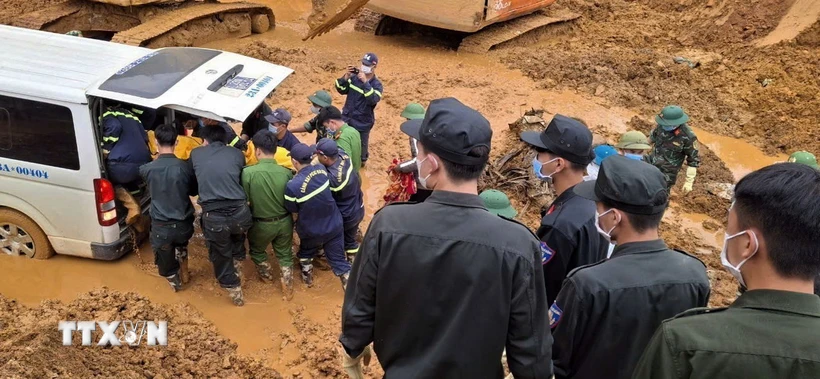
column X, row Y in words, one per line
column 413, row 111
column 804, row 157
column 75, row 33
column 633, row 140
column 671, row 115
column 321, row 98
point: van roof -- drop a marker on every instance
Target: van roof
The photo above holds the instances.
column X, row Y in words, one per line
column 59, row 66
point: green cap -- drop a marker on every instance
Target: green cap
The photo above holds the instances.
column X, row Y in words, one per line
column 804, row 157
column 321, row 98
column 633, row 140
column 413, row 111
column 498, row 203
column 75, row 33
column 671, row 115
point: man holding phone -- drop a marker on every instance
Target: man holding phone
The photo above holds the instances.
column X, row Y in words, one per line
column 363, row 92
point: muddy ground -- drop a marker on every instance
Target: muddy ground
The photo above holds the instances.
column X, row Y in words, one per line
column 613, row 68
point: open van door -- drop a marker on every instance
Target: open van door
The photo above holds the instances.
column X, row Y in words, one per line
column 203, row 82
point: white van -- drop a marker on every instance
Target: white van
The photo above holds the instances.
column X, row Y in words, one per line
column 54, row 192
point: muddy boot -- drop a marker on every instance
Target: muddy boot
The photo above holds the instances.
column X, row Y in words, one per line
column 236, row 296
column 237, row 264
column 307, row 271
column 130, row 203
column 264, row 271
column 287, row 282
column 344, row 277
column 321, row 263
column 181, row 254
column 175, row 282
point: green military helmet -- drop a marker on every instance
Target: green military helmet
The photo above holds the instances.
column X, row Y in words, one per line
column 321, row 98
column 671, row 115
column 498, row 203
column 633, row 140
column 804, row 157
column 413, row 111
column 75, row 33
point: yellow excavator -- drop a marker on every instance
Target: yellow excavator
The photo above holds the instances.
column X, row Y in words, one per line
column 496, row 21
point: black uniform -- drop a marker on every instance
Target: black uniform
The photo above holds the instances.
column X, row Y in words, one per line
column 455, row 285
column 171, row 182
column 256, row 121
column 226, row 216
column 607, row 312
column 570, row 239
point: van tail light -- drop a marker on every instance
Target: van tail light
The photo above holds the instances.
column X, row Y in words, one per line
column 106, row 208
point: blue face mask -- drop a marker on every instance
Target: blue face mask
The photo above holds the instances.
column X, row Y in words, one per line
column 669, row 128
column 536, row 167
column 273, row 129
column 636, row 157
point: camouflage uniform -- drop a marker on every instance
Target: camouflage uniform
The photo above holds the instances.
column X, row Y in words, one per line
column 670, row 149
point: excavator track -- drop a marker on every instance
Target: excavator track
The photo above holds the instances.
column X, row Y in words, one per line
column 164, row 23
column 368, row 21
column 486, row 39
column 39, row 19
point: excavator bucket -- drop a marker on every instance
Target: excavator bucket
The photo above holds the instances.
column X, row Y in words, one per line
column 489, row 37
column 328, row 14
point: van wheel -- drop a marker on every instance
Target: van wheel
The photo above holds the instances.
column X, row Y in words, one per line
column 19, row 235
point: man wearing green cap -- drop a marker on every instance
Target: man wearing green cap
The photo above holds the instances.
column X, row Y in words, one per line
column 318, row 100
column 673, row 142
column 498, row 203
column 804, row 157
column 633, row 145
column 413, row 111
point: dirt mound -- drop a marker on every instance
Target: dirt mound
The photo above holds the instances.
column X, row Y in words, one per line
column 32, row 344
column 10, row 9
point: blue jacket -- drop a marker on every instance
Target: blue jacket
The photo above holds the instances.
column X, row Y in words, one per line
column 346, row 188
column 361, row 101
column 288, row 141
column 308, row 194
column 124, row 137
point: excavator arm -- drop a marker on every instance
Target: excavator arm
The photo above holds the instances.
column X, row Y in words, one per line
column 328, row 14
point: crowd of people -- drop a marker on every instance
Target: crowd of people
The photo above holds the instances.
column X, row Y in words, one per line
column 446, row 282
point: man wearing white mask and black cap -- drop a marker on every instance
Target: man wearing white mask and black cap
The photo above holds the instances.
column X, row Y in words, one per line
column 606, row 313
column 567, row 231
column 442, row 287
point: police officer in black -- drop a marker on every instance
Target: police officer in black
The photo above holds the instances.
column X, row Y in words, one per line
column 450, row 284
column 226, row 216
column 567, row 231
column 171, row 182
column 607, row 312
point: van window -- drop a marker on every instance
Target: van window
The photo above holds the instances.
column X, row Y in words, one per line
column 36, row 132
column 152, row 75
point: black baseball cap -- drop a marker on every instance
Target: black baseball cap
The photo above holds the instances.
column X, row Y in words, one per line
column 302, row 153
column 629, row 185
column 326, row 147
column 565, row 137
column 328, row 113
column 451, row 129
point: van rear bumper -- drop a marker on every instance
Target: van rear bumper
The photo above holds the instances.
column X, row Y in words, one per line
column 114, row 250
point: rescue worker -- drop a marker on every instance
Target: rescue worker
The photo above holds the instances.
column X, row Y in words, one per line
column 319, row 223
column 255, row 122
column 345, row 136
column 607, row 312
column 125, row 146
column 601, row 152
column 264, row 184
column 231, row 139
column 318, row 100
column 771, row 330
column 498, row 203
column 804, row 157
column 278, row 124
column 413, row 111
column 567, row 231
column 225, row 213
column 633, row 145
column 673, row 141
column 171, row 182
column 345, row 185
column 364, row 91
column 495, row 292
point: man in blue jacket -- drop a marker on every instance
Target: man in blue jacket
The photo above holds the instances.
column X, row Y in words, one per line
column 363, row 92
column 319, row 223
column 125, row 145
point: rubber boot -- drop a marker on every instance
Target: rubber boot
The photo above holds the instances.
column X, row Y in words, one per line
column 182, row 257
column 263, row 269
column 287, row 282
column 344, row 278
column 236, row 296
column 131, row 204
column 237, row 264
column 175, row 282
column 307, row 271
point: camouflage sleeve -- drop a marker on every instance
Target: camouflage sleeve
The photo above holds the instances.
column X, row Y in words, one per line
column 690, row 147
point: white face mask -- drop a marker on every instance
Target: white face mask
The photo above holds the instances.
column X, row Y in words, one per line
column 422, row 180
column 607, row 235
column 724, row 255
column 366, row 69
column 315, row 110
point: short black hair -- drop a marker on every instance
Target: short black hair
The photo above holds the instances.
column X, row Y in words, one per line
column 641, row 223
column 166, row 135
column 782, row 201
column 266, row 141
column 213, row 133
column 577, row 167
column 460, row 172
